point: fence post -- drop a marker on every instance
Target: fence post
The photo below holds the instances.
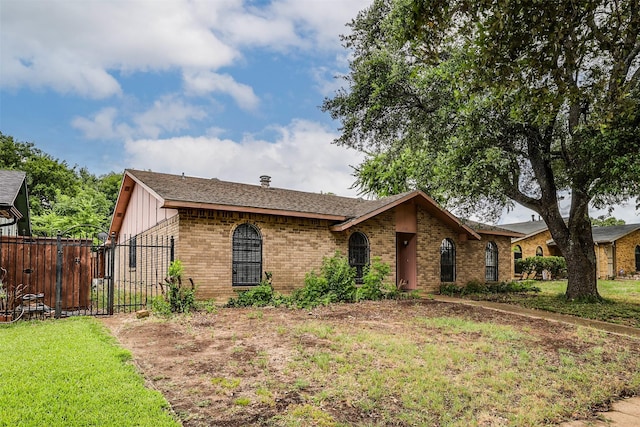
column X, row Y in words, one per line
column 111, row 268
column 59, row 275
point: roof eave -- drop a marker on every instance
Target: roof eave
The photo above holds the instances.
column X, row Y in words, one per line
column 427, row 201
column 178, row 204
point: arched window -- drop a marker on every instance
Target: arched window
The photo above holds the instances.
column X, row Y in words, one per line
column 447, row 261
column 247, row 256
column 491, row 262
column 517, row 254
column 638, row 258
column 358, row 253
column 539, row 251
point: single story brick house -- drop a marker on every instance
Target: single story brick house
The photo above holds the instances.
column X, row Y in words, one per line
column 617, row 247
column 14, row 204
column 228, row 234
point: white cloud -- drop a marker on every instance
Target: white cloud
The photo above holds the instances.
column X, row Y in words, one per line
column 302, row 158
column 168, row 114
column 99, row 126
column 77, row 47
column 72, row 46
column 205, row 82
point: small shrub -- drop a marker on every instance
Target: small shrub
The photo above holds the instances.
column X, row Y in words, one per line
column 477, row 287
column 336, row 283
column 535, row 265
column 259, row 296
column 314, row 293
column 450, row 289
column 181, row 299
column 474, row 287
column 160, row 306
column 373, row 286
column 340, row 277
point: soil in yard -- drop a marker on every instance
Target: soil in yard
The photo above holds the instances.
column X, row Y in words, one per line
column 341, row 365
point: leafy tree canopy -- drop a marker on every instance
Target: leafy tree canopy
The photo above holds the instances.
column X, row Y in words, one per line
column 606, row 221
column 486, row 103
column 60, row 196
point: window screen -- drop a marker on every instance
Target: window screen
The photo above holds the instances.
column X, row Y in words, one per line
column 247, row 256
column 447, row 261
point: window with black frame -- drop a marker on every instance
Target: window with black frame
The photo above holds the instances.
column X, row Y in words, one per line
column 539, row 251
column 638, row 258
column 133, row 252
column 491, row 262
column 447, row 261
column 517, row 254
column 358, row 254
column 247, row 256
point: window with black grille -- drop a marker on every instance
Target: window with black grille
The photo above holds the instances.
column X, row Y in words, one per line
column 447, row 261
column 358, row 254
column 133, row 252
column 638, row 258
column 247, row 256
column 491, row 262
column 517, row 254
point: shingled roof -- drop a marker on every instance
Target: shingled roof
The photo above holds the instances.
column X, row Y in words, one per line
column 613, row 232
column 606, row 234
column 14, row 201
column 179, row 191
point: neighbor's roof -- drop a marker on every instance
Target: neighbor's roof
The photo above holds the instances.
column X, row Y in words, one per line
column 527, row 228
column 11, row 184
column 612, row 233
column 176, row 191
column 14, row 201
column 607, row 234
column 492, row 229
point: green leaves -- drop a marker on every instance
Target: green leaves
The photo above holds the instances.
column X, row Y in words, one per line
column 60, row 196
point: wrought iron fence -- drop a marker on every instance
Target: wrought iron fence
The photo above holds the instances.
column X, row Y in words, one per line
column 87, row 274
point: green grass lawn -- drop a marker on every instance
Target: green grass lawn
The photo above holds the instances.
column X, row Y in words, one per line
column 71, row 372
column 621, row 302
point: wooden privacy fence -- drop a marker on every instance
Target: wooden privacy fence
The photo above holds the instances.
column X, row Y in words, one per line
column 86, row 275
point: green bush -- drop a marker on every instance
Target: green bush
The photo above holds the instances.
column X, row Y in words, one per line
column 160, row 306
column 260, row 296
column 535, row 265
column 477, row 287
column 335, row 283
column 373, row 286
column 179, row 298
column 340, row 277
column 314, row 293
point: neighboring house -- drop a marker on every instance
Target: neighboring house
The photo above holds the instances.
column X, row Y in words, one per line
column 617, row 247
column 14, row 204
column 227, row 234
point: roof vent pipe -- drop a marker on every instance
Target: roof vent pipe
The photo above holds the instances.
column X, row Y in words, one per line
column 533, row 217
column 265, row 181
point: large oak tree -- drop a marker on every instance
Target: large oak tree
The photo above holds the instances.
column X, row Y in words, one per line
column 483, row 103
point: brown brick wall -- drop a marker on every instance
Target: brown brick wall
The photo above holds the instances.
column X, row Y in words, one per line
column 294, row 246
column 470, row 254
column 607, row 263
column 625, row 252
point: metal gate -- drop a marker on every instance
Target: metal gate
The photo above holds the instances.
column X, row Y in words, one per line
column 85, row 274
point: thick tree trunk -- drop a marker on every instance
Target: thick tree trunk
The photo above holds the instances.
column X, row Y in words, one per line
column 575, row 241
column 581, row 271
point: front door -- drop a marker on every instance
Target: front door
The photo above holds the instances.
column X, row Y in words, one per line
column 406, row 245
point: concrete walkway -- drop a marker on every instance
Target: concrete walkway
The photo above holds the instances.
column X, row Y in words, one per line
column 623, row 413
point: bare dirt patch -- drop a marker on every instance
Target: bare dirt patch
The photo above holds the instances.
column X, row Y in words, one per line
column 240, row 367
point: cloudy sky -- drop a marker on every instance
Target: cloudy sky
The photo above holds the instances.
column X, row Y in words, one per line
column 212, row 88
